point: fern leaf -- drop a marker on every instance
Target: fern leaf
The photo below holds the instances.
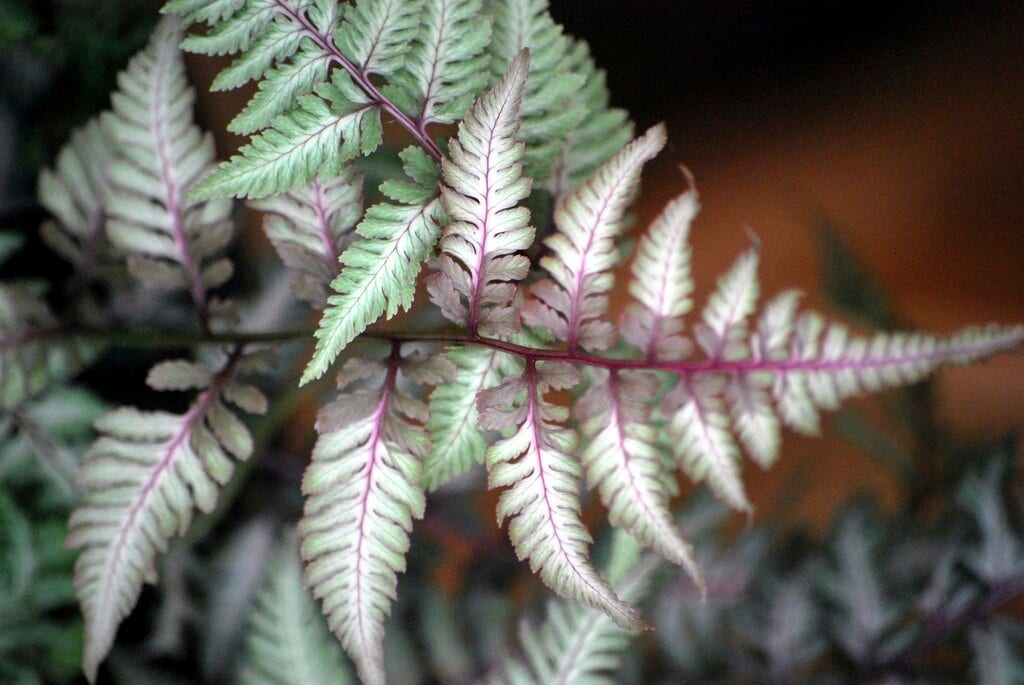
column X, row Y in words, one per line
column 362, row 494
column 583, row 250
column 288, row 642
column 704, row 444
column 279, row 40
column 753, row 416
column 208, row 11
column 325, row 129
column 234, row 29
column 456, row 440
column 541, row 499
column 662, row 283
column 446, row 67
column 379, row 269
column 161, row 155
column 600, row 133
column 376, row 34
column 311, row 227
column 481, row 258
column 576, row 644
column 622, row 462
column 723, row 333
column 281, row 87
column 74, row 193
column 141, row 480
column 827, row 365
column 551, row 106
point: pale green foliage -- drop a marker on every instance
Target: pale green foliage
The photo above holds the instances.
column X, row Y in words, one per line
column 481, row 261
column 288, row 642
column 597, row 136
column 362, row 493
column 575, row 644
column 583, row 250
column 457, row 441
column 541, row 499
column 161, row 155
column 376, row 34
column 379, row 269
column 311, row 227
column 446, row 67
column 550, row 107
column 324, row 129
column 141, row 480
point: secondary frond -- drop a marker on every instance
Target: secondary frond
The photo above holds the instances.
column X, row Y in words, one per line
column 141, row 480
column 445, row 67
column 161, row 154
column 551, row 106
column 457, row 441
column 363, row 492
column 481, row 257
column 600, row 133
column 324, row 129
column 583, row 251
column 376, row 34
column 74, row 193
column 311, row 227
column 379, row 269
column 541, row 480
column 288, row 642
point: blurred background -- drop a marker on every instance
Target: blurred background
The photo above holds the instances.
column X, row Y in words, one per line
column 875, row 150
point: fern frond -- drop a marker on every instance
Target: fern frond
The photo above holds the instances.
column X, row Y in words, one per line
column 583, row 250
column 703, row 442
column 481, row 260
column 141, row 480
column 326, row 128
column 722, row 333
column 551, row 106
column 311, row 227
column 288, row 642
column 362, row 494
column 541, row 499
column 376, row 34
column 826, row 365
column 456, row 440
column 379, row 269
column 446, row 67
column 280, row 88
column 662, row 283
column 621, row 460
column 577, row 645
column 235, row 26
column 74, row 193
column 161, row 155
column 600, row 133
